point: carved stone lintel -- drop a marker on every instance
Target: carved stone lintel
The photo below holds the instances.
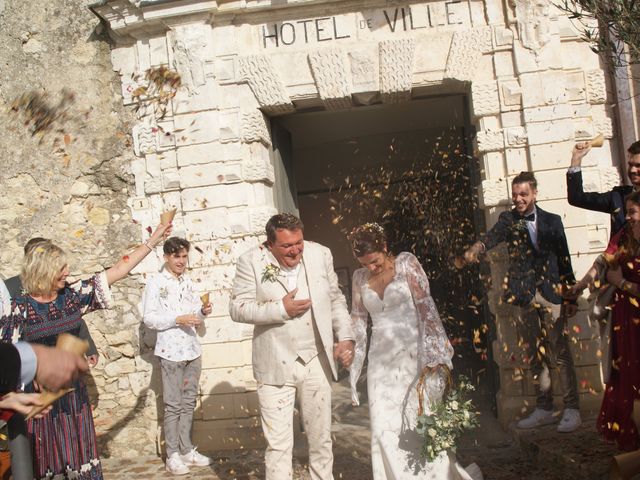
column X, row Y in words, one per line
column 265, row 83
column 464, row 54
column 396, row 69
column 330, row 74
column 254, row 128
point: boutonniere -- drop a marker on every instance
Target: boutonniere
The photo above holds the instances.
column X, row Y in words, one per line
column 164, row 293
column 271, row 273
column 520, row 225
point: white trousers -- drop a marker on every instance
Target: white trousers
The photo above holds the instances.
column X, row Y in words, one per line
column 312, row 384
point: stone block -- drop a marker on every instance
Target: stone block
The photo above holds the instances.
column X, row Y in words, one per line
column 502, row 38
column 229, row 354
column 245, row 404
column 549, row 113
column 222, row 329
column 490, row 140
column 578, row 56
column 516, row 160
column 494, row 192
column 213, row 278
column 216, row 406
column 158, row 53
column 576, row 88
column 364, row 65
column 207, row 224
column 510, row 94
column 515, row 137
column 208, row 153
column 170, row 179
column 257, row 167
column 546, row 57
column 511, row 119
column 202, row 198
column 201, row 127
column 229, row 125
column 485, row 99
column 223, row 380
column 493, row 163
column 551, row 184
column 139, row 382
column 211, row 174
column 540, row 89
column 226, row 69
column 550, row 156
column 550, row 132
column 571, row 216
column 120, row 367
column 596, row 87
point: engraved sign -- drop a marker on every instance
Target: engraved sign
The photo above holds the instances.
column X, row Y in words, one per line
column 384, row 21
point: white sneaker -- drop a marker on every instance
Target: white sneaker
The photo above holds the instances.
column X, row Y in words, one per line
column 195, row 459
column 570, row 420
column 175, row 465
column 537, row 418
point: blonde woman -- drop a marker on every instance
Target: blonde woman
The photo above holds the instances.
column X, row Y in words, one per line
column 64, row 441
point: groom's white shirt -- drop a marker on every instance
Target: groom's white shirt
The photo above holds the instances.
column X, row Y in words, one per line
column 260, row 303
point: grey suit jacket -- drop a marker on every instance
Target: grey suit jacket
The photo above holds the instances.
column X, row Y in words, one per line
column 256, row 302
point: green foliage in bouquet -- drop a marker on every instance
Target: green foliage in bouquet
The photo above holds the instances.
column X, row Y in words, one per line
column 442, row 426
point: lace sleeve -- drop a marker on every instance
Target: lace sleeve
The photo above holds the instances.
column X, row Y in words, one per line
column 359, row 317
column 433, row 345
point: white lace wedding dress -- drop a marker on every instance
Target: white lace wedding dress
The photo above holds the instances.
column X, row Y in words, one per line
column 407, row 335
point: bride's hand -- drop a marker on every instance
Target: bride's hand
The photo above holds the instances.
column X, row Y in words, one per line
column 343, row 351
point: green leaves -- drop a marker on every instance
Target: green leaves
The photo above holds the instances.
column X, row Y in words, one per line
column 446, row 421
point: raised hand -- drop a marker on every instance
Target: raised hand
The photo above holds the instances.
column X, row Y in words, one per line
column 294, row 307
column 580, row 149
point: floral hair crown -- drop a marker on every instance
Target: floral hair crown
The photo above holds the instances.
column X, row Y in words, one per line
column 370, row 227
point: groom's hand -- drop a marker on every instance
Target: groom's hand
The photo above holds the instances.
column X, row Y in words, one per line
column 294, row 307
column 343, row 351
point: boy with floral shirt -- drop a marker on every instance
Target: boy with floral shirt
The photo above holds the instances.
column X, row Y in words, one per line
column 172, row 307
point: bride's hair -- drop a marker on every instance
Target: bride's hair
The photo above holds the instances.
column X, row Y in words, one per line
column 367, row 238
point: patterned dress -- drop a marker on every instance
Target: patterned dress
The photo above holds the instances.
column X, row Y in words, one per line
column 63, row 441
column 615, row 421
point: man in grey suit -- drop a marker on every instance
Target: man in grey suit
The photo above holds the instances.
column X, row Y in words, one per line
column 288, row 290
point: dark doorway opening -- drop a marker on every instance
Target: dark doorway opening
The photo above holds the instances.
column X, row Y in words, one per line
column 410, row 168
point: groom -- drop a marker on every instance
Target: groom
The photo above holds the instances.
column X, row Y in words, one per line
column 297, row 309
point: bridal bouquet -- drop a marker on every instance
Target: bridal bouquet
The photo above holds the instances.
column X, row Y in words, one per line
column 442, row 425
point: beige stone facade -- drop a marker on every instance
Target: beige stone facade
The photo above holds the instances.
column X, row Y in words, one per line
column 532, row 89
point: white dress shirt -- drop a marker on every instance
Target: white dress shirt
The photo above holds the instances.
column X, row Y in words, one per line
column 532, row 226
column 289, row 279
column 165, row 298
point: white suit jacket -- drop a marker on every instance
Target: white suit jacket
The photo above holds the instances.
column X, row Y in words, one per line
column 256, row 302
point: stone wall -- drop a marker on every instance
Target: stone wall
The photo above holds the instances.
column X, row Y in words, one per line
column 72, row 184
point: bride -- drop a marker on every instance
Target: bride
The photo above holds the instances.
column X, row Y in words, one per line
column 407, row 335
